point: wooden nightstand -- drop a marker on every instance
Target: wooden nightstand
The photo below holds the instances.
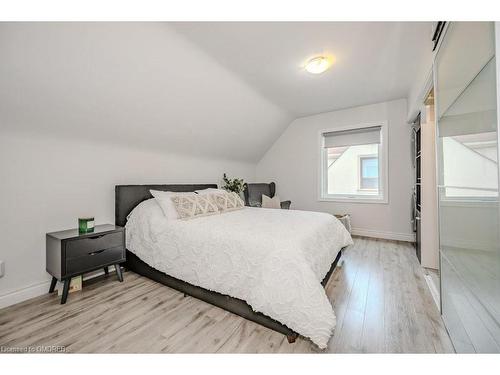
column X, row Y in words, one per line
column 70, row 254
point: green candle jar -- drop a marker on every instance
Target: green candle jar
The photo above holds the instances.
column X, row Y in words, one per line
column 85, row 225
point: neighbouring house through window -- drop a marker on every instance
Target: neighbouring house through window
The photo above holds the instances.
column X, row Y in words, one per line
column 368, row 173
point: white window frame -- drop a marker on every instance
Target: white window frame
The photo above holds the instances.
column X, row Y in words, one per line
column 383, row 154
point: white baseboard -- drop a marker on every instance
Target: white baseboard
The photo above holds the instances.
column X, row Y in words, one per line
column 24, row 294
column 408, row 237
column 35, row 290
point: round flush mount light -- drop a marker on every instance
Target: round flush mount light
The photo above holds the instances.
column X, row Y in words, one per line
column 317, row 65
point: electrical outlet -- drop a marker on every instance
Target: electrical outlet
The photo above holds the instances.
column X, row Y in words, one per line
column 2, row 268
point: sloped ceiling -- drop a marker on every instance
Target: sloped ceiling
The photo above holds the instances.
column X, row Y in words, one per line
column 374, row 61
column 223, row 90
column 136, row 83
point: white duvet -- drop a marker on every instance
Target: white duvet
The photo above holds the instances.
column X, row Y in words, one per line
column 273, row 259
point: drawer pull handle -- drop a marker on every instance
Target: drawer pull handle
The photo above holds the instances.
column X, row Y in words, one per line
column 96, row 252
column 96, row 237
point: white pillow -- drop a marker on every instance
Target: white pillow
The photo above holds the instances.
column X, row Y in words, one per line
column 273, row 202
column 164, row 199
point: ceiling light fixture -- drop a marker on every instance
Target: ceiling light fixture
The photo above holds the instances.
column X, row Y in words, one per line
column 317, row 65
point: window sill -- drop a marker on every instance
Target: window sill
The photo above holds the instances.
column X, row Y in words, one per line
column 377, row 200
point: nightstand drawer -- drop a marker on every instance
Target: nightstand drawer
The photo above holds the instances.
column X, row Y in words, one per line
column 84, row 246
column 94, row 260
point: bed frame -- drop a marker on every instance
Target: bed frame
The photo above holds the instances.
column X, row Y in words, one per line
column 129, row 196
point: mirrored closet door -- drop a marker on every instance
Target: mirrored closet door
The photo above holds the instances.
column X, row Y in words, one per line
column 467, row 151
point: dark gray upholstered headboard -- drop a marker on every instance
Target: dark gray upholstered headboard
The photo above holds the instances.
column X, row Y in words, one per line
column 129, row 196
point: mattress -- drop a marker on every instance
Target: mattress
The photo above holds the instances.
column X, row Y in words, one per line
column 273, row 259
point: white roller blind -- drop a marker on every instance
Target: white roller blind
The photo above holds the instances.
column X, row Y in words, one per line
column 352, row 137
column 469, row 123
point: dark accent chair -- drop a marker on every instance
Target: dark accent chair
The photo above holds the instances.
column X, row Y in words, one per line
column 253, row 194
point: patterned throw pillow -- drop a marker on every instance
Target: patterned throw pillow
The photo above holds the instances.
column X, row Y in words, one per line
column 190, row 206
column 228, row 201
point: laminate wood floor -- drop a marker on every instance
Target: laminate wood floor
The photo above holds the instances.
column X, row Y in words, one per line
column 379, row 295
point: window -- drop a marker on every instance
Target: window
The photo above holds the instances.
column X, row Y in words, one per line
column 353, row 164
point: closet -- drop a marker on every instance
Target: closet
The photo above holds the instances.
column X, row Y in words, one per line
column 465, row 88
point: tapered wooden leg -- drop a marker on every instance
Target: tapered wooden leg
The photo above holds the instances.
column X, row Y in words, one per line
column 291, row 338
column 106, row 271
column 64, row 296
column 119, row 272
column 52, row 284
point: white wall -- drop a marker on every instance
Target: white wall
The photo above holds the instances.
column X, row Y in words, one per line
column 47, row 183
column 293, row 163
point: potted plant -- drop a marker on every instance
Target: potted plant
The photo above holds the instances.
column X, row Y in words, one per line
column 236, row 185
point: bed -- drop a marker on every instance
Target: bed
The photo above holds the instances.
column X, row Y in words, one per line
column 268, row 266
